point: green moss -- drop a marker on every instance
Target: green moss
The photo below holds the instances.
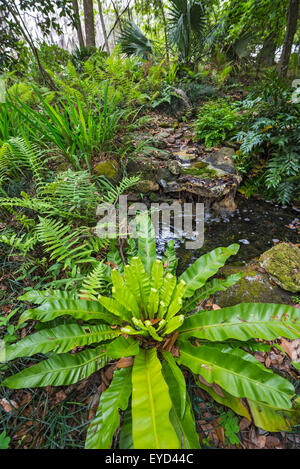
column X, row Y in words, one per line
column 282, row 262
column 253, row 287
column 200, row 169
column 108, row 168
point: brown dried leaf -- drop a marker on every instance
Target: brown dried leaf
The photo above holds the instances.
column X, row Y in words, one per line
column 8, row 405
column 125, row 362
column 244, row 423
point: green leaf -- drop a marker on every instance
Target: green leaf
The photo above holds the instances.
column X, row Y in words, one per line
column 60, row 339
column 126, row 441
column 146, row 241
column 151, row 405
column 206, row 266
column 157, row 273
column 101, row 430
column 39, row 296
column 239, row 377
column 243, row 322
column 186, row 428
column 170, row 369
column 4, row 440
column 166, row 293
column 59, row 370
column 78, row 309
column 126, row 298
column 296, row 365
column 122, row 347
column 137, row 280
column 170, row 257
column 272, row 419
column 114, row 307
column 209, row 289
column 235, row 403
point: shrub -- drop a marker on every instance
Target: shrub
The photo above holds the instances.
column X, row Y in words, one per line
column 215, row 122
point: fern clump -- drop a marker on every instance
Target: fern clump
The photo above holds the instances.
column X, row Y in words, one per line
column 215, row 123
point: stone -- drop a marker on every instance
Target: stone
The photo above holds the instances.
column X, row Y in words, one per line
column 140, row 167
column 223, row 160
column 146, row 186
column 282, row 262
column 109, row 169
column 174, row 167
column 254, row 287
column 185, row 155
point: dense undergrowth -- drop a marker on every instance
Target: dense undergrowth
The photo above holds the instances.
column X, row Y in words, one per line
column 64, row 150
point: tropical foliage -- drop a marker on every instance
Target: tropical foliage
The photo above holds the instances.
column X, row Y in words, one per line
column 151, row 330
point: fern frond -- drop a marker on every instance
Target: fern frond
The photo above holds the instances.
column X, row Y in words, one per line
column 94, row 283
column 63, row 243
column 23, row 243
column 17, row 154
column 114, row 192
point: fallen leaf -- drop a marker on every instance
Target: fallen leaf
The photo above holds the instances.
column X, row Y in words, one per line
column 125, row 362
column 8, row 405
column 244, row 423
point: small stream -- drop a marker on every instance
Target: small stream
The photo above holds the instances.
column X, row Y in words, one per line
column 256, row 225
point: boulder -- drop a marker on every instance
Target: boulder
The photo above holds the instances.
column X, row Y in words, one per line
column 282, row 262
column 254, row 287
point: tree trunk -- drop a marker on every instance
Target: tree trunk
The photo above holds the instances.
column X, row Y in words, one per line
column 13, row 9
column 78, row 24
column 103, row 26
column 165, row 30
column 90, row 40
column 291, row 27
column 267, row 54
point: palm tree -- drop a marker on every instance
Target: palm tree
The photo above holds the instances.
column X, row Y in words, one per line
column 187, row 23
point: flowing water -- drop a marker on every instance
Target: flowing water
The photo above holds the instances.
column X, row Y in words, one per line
column 256, row 225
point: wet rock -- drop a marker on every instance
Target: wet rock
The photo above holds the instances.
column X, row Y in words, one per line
column 213, row 178
column 223, row 160
column 254, row 287
column 282, row 262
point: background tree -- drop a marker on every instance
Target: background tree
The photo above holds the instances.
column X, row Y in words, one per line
column 90, row 37
column 78, row 24
column 291, row 27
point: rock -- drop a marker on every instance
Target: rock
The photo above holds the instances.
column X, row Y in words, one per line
column 174, row 167
column 254, row 287
column 162, row 154
column 164, row 174
column 212, row 178
column 109, row 169
column 223, row 160
column 185, row 155
column 282, row 262
column 146, row 186
column 162, row 135
column 140, row 167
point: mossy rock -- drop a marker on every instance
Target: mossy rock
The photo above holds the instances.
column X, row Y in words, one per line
column 253, row 287
column 146, row 186
column 140, row 167
column 282, row 262
column 109, row 169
